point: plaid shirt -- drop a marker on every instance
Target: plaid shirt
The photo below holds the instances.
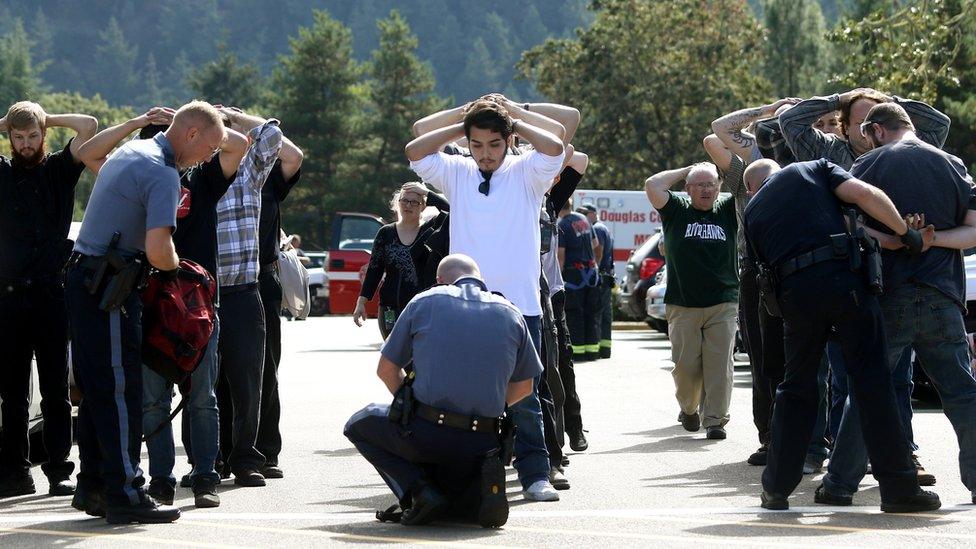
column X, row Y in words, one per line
column 770, row 141
column 809, row 143
column 239, row 210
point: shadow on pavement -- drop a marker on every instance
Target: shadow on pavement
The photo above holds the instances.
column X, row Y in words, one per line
column 789, row 524
column 674, row 444
column 342, row 452
column 440, row 532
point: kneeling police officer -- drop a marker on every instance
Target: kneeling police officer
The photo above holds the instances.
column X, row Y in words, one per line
column 823, row 276
column 127, row 227
column 472, row 354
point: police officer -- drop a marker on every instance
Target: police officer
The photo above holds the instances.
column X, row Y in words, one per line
column 36, row 200
column 605, row 266
column 796, row 229
column 472, row 354
column 128, row 223
column 577, row 254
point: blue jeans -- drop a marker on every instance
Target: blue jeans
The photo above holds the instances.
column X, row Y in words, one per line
column 925, row 318
column 531, row 457
column 201, row 411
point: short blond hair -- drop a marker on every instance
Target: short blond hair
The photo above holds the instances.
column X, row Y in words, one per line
column 198, row 113
column 24, row 114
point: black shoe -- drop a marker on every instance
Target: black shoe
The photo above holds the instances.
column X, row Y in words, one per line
column 272, row 471
column 205, row 494
column 924, row 477
column 826, row 498
column 493, row 510
column 222, row 469
column 92, row 502
column 61, row 488
column 604, row 352
column 577, row 440
column 161, row 491
column 921, row 501
column 427, row 505
column 186, row 481
column 249, row 477
column 715, row 432
column 565, row 461
column 691, row 422
column 774, row 502
column 146, row 511
column 758, row 457
column 17, row 485
column 558, row 479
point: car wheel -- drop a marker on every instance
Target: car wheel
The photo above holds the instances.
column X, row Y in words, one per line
column 320, row 306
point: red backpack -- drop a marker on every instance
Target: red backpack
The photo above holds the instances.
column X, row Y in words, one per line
column 177, row 321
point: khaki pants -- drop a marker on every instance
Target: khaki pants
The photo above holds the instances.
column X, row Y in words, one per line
column 701, row 348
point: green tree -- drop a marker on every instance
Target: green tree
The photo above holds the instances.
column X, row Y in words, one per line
column 924, row 49
column 400, row 90
column 227, row 81
column 18, row 78
column 316, row 100
column 796, row 50
column 116, row 62
column 647, row 97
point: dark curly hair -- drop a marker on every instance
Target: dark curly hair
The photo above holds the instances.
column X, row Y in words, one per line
column 487, row 115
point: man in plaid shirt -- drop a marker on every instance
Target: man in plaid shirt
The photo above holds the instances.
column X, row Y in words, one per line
column 242, row 331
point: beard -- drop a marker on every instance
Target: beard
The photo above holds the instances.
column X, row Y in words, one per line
column 30, row 161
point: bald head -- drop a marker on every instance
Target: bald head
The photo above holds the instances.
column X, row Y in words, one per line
column 196, row 133
column 757, row 172
column 456, row 266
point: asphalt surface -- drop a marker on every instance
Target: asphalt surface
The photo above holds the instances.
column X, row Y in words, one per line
column 644, row 481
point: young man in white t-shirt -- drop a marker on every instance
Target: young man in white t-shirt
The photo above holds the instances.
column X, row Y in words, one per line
column 495, row 203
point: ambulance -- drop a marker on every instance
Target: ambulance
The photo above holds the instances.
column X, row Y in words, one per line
column 628, row 215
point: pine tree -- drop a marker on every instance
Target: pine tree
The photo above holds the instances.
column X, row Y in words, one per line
column 116, row 64
column 796, row 50
column 18, row 79
column 226, row 81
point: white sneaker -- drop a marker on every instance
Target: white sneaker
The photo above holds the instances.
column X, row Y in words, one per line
column 541, row 490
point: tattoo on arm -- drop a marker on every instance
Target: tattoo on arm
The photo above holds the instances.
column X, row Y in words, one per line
column 742, row 139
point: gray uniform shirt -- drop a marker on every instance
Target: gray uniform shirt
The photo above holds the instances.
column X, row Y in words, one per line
column 467, row 344
column 137, row 189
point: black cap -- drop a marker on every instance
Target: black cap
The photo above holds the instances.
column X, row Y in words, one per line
column 588, row 207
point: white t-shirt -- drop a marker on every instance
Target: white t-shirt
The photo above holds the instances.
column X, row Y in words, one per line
column 499, row 231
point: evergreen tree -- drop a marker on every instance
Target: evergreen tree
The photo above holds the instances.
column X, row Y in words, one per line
column 18, row 79
column 117, row 65
column 226, row 81
column 316, row 100
column 796, row 49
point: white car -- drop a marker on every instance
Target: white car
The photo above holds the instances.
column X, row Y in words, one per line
column 318, row 283
column 654, row 302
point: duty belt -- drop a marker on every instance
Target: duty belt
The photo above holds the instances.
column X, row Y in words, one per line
column 802, row 261
column 473, row 424
column 79, row 259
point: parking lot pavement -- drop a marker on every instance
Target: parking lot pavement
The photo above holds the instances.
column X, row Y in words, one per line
column 644, row 481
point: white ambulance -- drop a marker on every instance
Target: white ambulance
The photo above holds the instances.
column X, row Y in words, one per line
column 628, row 215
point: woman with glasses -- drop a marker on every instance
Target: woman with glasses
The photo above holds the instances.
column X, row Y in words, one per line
column 400, row 255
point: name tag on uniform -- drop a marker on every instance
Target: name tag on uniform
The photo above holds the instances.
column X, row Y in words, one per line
column 184, row 208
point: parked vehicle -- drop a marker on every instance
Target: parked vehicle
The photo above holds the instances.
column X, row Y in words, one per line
column 656, row 317
column 349, row 252
column 642, row 268
column 318, row 283
column 629, row 216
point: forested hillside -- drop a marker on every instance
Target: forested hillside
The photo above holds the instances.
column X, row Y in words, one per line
column 137, row 53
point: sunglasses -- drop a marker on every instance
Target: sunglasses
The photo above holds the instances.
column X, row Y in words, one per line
column 408, row 202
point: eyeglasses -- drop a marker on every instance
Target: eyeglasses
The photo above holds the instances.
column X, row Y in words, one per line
column 408, row 202
column 865, row 125
column 705, row 185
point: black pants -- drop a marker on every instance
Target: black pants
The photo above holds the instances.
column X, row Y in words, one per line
column 606, row 314
column 571, row 407
column 583, row 318
column 241, row 348
column 816, row 301
column 34, row 322
column 551, row 393
column 106, row 353
column 447, row 458
column 752, row 318
column 269, row 433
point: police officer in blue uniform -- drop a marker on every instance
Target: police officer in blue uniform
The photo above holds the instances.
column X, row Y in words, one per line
column 816, row 272
column 127, row 226
column 472, row 354
column 607, row 282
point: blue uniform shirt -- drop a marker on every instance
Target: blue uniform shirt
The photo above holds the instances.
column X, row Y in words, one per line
column 603, row 235
column 137, row 189
column 467, row 344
